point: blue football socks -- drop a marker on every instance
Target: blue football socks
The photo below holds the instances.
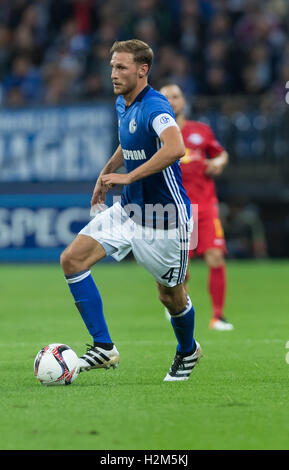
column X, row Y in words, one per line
column 183, row 324
column 88, row 301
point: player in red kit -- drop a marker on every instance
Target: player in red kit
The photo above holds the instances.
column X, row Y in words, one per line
column 204, row 159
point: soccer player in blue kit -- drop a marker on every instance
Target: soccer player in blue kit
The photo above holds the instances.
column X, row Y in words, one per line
column 152, row 219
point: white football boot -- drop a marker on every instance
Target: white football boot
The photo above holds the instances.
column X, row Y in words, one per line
column 182, row 366
column 97, row 358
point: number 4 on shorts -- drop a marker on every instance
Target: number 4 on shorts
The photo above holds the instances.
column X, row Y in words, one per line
column 169, row 275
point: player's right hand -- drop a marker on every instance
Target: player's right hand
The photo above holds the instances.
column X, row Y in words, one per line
column 99, row 192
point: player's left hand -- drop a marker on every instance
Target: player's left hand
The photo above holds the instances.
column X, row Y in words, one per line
column 116, row 178
column 213, row 168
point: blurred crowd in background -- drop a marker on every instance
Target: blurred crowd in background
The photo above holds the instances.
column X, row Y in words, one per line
column 57, row 51
column 230, row 57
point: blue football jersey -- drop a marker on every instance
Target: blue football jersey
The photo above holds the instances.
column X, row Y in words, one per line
column 139, row 143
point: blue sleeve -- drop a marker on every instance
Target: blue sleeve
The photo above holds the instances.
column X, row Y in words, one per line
column 152, row 108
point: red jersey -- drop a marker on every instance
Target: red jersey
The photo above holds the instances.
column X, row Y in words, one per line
column 200, row 144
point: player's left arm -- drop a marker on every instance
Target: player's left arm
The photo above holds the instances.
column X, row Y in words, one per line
column 171, row 150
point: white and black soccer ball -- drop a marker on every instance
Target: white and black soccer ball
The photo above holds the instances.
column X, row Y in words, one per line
column 56, row 364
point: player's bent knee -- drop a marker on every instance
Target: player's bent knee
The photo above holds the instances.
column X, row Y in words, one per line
column 81, row 254
column 71, row 262
column 67, row 263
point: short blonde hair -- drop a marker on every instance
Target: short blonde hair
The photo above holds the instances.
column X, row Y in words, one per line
column 142, row 53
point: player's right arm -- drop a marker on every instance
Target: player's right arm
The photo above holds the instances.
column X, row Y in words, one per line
column 171, row 150
column 100, row 189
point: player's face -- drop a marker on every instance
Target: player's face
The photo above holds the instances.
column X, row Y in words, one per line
column 124, row 73
column 175, row 97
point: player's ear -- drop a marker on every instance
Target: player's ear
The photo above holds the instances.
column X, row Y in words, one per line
column 142, row 71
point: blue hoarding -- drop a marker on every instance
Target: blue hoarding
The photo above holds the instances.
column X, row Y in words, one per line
column 38, row 226
column 55, row 144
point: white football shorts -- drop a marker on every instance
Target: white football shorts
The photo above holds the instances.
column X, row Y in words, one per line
column 163, row 253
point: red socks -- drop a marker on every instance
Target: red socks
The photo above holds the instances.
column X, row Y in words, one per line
column 217, row 289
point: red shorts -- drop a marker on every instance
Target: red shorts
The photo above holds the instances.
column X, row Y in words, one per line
column 208, row 232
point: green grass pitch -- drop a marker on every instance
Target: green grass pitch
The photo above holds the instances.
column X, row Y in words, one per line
column 236, row 398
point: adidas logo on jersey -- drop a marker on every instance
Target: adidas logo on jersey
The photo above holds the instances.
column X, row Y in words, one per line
column 134, row 154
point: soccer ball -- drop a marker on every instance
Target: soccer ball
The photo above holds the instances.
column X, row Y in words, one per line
column 56, row 364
